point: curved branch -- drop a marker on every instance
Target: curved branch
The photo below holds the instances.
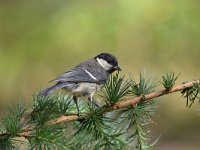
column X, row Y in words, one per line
column 128, row 103
column 116, row 106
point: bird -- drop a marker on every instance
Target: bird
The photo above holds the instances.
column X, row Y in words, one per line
column 86, row 78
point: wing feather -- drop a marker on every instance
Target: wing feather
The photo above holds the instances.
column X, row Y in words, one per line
column 76, row 75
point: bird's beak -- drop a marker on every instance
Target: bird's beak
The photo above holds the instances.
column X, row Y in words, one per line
column 118, row 68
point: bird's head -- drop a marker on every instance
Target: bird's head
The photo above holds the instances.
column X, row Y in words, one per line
column 108, row 62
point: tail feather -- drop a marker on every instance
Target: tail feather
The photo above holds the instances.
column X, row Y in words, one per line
column 49, row 90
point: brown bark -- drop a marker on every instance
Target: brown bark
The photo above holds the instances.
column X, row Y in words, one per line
column 128, row 103
column 116, row 106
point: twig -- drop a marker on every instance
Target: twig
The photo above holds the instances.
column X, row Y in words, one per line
column 128, row 103
column 116, row 106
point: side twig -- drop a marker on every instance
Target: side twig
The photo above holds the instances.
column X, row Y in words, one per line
column 128, row 103
column 116, row 106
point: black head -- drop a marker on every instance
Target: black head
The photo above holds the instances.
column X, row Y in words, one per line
column 108, row 62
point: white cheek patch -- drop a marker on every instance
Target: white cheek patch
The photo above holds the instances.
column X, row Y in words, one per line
column 104, row 64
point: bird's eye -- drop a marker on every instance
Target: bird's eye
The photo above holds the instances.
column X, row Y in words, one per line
column 109, row 61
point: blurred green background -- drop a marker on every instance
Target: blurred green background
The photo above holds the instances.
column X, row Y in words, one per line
column 40, row 39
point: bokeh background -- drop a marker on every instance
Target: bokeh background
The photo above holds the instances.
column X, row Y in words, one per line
column 40, row 39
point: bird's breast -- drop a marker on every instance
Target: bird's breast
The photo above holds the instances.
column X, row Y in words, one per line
column 86, row 88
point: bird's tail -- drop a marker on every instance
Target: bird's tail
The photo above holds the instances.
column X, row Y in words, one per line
column 57, row 86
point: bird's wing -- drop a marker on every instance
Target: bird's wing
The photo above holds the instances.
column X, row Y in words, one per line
column 77, row 75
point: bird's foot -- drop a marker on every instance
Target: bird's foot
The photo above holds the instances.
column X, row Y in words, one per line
column 76, row 103
column 93, row 105
column 68, row 103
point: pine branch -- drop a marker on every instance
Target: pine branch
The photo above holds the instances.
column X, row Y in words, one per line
column 121, row 104
column 129, row 103
column 50, row 113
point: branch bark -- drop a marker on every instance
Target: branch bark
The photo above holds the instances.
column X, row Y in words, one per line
column 116, row 106
column 129, row 103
